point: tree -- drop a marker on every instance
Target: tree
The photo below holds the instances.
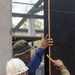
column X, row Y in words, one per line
column 38, row 25
column 25, row 25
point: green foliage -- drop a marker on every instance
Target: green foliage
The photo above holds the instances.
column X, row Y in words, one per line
column 25, row 25
column 13, row 25
column 37, row 42
column 38, row 25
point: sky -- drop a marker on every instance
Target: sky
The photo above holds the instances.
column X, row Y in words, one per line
column 22, row 8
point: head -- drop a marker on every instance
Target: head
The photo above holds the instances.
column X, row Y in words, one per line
column 16, row 66
column 22, row 50
column 26, row 57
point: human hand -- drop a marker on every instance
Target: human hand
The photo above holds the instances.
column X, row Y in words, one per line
column 58, row 63
column 45, row 42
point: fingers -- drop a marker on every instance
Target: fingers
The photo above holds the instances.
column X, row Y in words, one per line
column 49, row 45
column 46, row 36
column 46, row 42
column 49, row 41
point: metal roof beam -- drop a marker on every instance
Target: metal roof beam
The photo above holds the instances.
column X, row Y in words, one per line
column 27, row 16
column 26, row 30
column 30, row 12
column 38, row 9
column 23, row 3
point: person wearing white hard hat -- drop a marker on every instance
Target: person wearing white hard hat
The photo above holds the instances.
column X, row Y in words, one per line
column 15, row 66
column 22, row 50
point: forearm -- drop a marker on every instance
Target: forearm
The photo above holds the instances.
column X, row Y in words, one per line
column 64, row 70
column 36, row 60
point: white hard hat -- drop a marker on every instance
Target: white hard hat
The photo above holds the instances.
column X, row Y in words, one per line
column 15, row 66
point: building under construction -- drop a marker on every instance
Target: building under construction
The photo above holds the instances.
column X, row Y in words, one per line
column 58, row 19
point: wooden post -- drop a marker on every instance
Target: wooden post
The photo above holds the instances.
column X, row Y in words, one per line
column 49, row 34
